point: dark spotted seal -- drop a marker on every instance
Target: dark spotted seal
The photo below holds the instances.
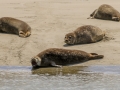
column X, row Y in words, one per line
column 106, row 12
column 84, row 34
column 57, row 57
column 14, row 26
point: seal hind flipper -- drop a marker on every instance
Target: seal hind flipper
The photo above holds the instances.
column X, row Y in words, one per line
column 116, row 19
column 96, row 56
column 94, row 53
column 92, row 16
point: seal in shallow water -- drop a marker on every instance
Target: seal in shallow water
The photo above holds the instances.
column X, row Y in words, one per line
column 106, row 12
column 84, row 34
column 14, row 26
column 56, row 57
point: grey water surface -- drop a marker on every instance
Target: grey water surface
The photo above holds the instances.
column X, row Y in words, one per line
column 65, row 78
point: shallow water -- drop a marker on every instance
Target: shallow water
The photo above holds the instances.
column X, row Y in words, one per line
column 66, row 78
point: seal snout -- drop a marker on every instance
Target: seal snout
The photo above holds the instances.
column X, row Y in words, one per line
column 33, row 62
column 66, row 41
column 36, row 61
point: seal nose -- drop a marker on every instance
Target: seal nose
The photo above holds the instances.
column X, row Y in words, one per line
column 66, row 41
column 33, row 62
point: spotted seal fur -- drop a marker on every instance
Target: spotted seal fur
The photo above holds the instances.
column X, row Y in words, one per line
column 106, row 12
column 57, row 57
column 14, row 26
column 84, row 34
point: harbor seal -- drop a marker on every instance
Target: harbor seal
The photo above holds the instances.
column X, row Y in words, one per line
column 14, row 26
column 106, row 12
column 84, row 34
column 57, row 57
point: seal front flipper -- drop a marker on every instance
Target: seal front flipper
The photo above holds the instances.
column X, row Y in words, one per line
column 53, row 64
column 21, row 34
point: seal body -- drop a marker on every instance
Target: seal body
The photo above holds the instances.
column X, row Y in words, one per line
column 106, row 12
column 84, row 34
column 14, row 26
column 57, row 57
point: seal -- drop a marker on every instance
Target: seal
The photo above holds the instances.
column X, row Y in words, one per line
column 56, row 57
column 84, row 34
column 14, row 26
column 106, row 12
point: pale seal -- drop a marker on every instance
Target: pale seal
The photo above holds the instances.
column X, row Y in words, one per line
column 106, row 12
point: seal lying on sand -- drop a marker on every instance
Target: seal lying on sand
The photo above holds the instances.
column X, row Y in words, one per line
column 56, row 57
column 14, row 26
column 106, row 12
column 84, row 34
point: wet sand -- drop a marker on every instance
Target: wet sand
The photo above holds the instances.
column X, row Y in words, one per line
column 50, row 21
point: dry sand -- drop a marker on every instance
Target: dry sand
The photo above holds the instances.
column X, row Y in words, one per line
column 50, row 21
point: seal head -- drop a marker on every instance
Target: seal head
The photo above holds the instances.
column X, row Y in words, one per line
column 70, row 38
column 36, row 61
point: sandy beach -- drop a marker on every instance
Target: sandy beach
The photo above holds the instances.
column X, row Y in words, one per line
column 50, row 20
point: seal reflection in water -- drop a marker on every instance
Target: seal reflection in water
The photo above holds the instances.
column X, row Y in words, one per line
column 84, row 34
column 14, row 26
column 60, row 71
column 106, row 12
column 56, row 57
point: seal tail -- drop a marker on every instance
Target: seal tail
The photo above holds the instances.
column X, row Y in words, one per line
column 96, row 56
column 93, row 14
column 93, row 53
